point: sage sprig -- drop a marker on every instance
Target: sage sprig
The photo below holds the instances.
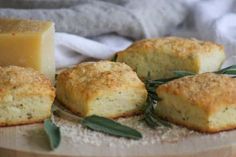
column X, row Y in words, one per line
column 231, row 70
column 102, row 124
column 151, row 119
column 181, row 73
column 113, row 59
column 96, row 123
column 53, row 132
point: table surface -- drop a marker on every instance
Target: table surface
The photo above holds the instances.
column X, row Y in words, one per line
column 31, row 141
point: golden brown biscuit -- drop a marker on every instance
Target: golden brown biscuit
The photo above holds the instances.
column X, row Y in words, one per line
column 26, row 96
column 162, row 56
column 102, row 88
column 204, row 102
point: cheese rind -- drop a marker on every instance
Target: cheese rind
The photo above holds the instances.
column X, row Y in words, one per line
column 28, row 43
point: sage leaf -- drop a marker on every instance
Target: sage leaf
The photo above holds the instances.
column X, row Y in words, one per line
column 58, row 111
column 181, row 73
column 150, row 117
column 96, row 121
column 110, row 127
column 231, row 70
column 53, row 132
column 114, row 58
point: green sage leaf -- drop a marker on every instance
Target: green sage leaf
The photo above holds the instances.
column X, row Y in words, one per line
column 53, row 132
column 150, row 117
column 231, row 70
column 58, row 111
column 110, row 127
column 181, row 73
column 114, row 58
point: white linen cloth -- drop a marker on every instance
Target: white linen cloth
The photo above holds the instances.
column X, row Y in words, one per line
column 72, row 49
column 213, row 20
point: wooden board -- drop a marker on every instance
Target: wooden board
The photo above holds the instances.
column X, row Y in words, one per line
column 31, row 141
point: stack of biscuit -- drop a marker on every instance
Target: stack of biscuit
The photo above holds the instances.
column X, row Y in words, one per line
column 205, row 102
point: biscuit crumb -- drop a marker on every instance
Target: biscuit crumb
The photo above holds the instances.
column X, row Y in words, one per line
column 77, row 134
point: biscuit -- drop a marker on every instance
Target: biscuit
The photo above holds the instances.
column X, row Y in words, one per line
column 103, row 88
column 26, row 96
column 162, row 56
column 204, row 102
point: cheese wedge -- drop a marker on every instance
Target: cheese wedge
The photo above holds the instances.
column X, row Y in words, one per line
column 28, row 43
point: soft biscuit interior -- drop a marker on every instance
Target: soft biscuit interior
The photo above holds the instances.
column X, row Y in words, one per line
column 115, row 104
column 209, row 62
column 24, row 109
column 225, row 118
column 181, row 111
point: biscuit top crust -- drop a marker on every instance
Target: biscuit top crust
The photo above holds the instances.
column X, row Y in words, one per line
column 209, row 91
column 13, row 78
column 177, row 46
column 102, row 75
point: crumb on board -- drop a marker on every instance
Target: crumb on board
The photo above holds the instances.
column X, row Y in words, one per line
column 75, row 133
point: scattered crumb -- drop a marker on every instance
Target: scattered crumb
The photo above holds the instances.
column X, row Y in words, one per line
column 74, row 132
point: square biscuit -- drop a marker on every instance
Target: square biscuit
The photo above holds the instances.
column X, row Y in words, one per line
column 26, row 96
column 103, row 88
column 162, row 56
column 204, row 102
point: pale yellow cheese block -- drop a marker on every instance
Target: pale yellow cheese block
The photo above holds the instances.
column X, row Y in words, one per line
column 28, row 43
